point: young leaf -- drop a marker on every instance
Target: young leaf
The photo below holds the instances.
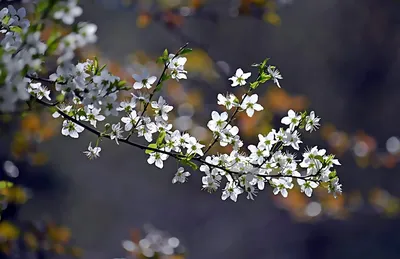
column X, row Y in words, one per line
column 189, row 163
column 160, row 138
column 185, row 51
column 152, row 145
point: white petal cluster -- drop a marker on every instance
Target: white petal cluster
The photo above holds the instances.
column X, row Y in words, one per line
column 87, row 97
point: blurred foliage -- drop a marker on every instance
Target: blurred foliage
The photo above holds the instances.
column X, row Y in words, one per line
column 27, row 239
column 174, row 13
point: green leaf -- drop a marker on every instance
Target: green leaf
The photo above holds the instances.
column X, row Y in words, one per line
column 264, row 78
column 121, row 84
column 41, row 6
column 5, row 184
column 96, row 65
column 254, row 85
column 16, row 29
column 264, row 63
column 6, row 19
column 164, row 57
column 185, row 51
column 165, row 53
column 102, row 67
column 81, row 112
column 152, row 145
column 160, row 138
column 189, row 163
column 332, row 174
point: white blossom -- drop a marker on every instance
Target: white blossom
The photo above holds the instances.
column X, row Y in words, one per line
column 130, row 121
column 307, row 186
column 180, row 176
column 143, row 81
column 228, row 101
column 92, row 152
column 161, row 108
column 292, row 119
column 312, row 122
column 92, row 115
column 232, row 191
column 250, row 105
column 157, row 159
column 116, row 132
column 68, row 12
column 218, row 121
column 71, row 129
column 239, row 78
column 275, row 75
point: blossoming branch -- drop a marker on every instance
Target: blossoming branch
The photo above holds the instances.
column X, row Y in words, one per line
column 84, row 96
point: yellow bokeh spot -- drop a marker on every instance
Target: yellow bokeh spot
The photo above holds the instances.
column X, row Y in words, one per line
column 143, row 20
column 31, row 241
column 76, row 251
column 39, row 158
column 272, row 18
column 199, row 61
column 8, row 231
column 31, row 123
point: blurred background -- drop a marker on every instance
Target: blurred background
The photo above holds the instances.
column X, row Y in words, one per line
column 338, row 58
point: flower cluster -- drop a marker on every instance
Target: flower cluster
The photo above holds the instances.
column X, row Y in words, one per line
column 87, row 97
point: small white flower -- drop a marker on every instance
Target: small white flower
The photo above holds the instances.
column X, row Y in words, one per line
column 143, row 81
column 218, row 121
column 228, row 101
column 92, row 152
column 335, row 187
column 239, row 78
column 141, row 97
column 194, row 147
column 258, row 154
column 39, row 91
column 162, row 108
column 307, row 186
column 267, row 141
column 232, row 191
column 180, row 176
column 130, row 121
column 68, row 12
column 63, row 108
column 147, row 130
column 116, row 132
column 292, row 139
column 312, row 122
column 250, row 105
column 71, row 129
column 281, row 186
column 87, row 33
column 292, row 119
column 210, row 183
column 176, row 65
column 275, row 74
column 127, row 106
column 92, row 115
column 157, row 159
